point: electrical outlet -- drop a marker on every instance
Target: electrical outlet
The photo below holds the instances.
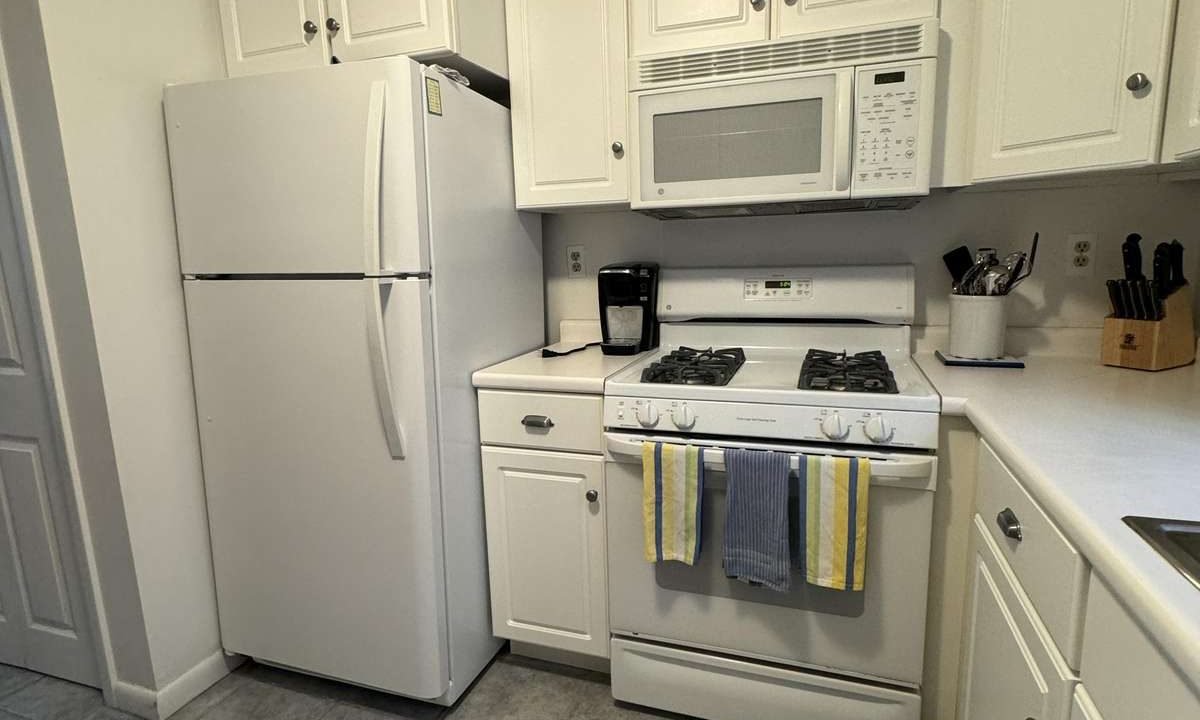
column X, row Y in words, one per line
column 576, row 266
column 1081, row 248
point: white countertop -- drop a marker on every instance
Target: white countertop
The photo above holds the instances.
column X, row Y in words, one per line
column 581, row 372
column 1093, row 444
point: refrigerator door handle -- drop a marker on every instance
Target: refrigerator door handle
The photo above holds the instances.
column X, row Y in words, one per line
column 381, row 366
column 372, row 173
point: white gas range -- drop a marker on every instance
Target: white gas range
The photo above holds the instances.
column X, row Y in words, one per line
column 797, row 360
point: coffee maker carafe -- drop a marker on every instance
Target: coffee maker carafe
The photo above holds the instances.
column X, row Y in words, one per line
column 628, row 304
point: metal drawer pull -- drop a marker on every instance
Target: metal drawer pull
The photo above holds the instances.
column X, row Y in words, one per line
column 537, row 421
column 1007, row 520
column 592, row 496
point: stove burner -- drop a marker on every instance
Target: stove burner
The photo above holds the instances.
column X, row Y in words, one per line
column 860, row 372
column 688, row 366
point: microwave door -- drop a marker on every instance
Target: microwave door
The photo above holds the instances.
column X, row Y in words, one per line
column 781, row 139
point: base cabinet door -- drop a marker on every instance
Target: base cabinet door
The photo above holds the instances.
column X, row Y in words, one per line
column 1181, row 139
column 797, row 17
column 364, row 29
column 1058, row 94
column 566, row 65
column 669, row 26
column 271, row 35
column 546, row 548
column 1008, row 669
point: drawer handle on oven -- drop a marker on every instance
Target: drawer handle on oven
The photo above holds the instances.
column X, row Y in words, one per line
column 537, row 421
column 1009, row 524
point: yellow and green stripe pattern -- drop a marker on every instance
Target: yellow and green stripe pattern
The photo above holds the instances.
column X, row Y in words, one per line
column 672, row 485
column 833, row 520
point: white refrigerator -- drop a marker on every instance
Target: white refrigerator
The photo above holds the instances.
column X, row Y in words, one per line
column 350, row 253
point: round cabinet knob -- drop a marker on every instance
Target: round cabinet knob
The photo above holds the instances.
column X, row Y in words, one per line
column 683, row 417
column 647, row 415
column 310, row 27
column 332, row 25
column 834, row 427
column 592, row 496
column 879, row 430
column 1137, row 81
column 618, row 148
column 758, row 4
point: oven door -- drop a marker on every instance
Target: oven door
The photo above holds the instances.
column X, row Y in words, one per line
column 786, row 138
column 878, row 633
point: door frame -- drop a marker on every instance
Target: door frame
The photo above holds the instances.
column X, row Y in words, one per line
column 12, row 158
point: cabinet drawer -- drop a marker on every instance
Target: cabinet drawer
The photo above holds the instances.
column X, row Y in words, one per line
column 573, row 422
column 1051, row 571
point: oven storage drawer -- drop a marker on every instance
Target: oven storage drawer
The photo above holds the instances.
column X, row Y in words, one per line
column 1052, row 572
column 549, row 421
column 723, row 688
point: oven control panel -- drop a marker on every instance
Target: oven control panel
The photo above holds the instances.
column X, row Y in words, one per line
column 893, row 110
column 777, row 288
column 849, row 426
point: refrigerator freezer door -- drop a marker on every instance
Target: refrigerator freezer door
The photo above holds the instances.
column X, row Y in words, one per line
column 284, row 173
column 326, row 549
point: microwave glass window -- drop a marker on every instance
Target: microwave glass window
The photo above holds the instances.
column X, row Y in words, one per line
column 780, row 138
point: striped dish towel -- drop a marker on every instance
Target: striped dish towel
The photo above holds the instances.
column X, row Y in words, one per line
column 672, row 487
column 832, row 522
column 756, row 518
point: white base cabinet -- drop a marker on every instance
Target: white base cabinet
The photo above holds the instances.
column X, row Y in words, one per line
column 568, row 91
column 1070, row 85
column 546, row 548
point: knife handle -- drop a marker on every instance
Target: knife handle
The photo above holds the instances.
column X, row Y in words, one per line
column 1114, row 298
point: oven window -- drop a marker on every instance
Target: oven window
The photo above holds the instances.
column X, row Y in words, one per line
column 779, row 138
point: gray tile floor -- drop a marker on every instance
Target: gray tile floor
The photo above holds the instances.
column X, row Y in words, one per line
column 513, row 688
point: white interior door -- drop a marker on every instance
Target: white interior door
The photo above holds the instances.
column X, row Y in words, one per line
column 798, row 17
column 315, row 406
column 376, row 28
column 271, row 35
column 43, row 619
column 1052, row 94
column 666, row 26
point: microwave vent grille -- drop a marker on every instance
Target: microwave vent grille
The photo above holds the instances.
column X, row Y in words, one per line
column 880, row 44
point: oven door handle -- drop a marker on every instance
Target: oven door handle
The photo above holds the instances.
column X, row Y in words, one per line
column 914, row 474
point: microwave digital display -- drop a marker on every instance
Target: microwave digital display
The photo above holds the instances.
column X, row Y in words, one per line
column 889, row 78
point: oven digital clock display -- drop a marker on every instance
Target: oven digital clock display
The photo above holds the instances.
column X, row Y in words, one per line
column 774, row 289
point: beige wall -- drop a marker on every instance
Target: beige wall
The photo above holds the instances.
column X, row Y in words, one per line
column 1003, row 219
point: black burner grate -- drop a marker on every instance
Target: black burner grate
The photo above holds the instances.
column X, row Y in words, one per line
column 860, row 372
column 688, row 366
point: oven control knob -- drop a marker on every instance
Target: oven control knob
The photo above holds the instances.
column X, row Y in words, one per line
column 647, row 415
column 683, row 417
column 834, row 427
column 879, row 430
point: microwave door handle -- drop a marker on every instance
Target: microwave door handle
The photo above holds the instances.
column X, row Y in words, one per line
column 843, row 140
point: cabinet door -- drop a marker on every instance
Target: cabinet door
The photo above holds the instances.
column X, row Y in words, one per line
column 546, row 551
column 1053, row 92
column 567, row 78
column 797, row 17
column 1008, row 669
column 1182, row 139
column 665, row 26
column 269, row 35
column 377, row 28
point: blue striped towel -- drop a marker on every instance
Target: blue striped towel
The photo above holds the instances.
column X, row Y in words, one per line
column 672, row 497
column 756, row 518
column 831, row 528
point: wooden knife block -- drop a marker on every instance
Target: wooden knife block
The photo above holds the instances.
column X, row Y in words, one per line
column 1153, row 345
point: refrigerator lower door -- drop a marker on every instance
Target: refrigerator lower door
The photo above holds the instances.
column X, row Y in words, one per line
column 326, row 545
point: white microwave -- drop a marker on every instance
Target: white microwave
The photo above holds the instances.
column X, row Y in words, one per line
column 836, row 134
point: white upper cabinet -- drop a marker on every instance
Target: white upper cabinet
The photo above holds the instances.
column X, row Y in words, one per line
column 798, row 17
column 270, row 35
column 1069, row 85
column 568, row 88
column 376, row 28
column 1182, row 137
column 665, row 26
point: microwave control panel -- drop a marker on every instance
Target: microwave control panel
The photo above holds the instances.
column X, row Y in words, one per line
column 893, row 104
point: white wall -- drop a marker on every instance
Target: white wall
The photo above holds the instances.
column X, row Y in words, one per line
column 1002, row 219
column 108, row 63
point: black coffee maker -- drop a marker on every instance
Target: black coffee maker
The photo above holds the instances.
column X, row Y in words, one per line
column 628, row 307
